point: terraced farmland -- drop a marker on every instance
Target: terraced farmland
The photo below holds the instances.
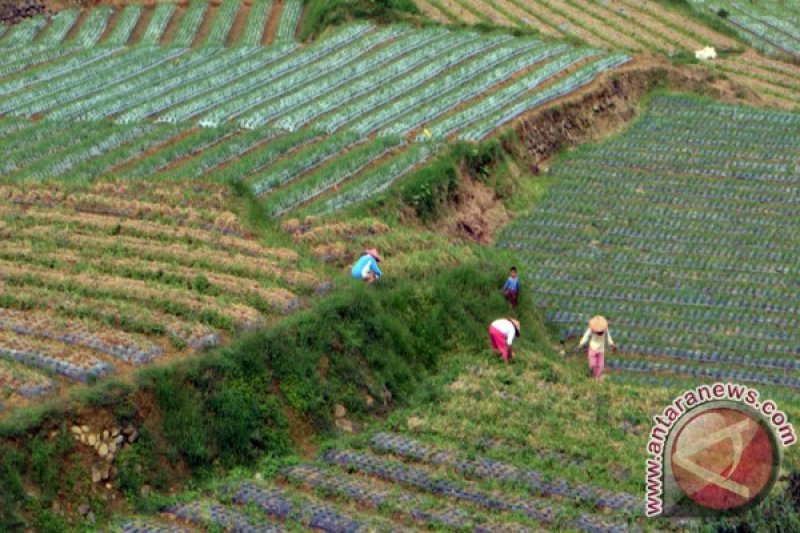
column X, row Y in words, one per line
column 636, row 27
column 683, row 232
column 197, row 23
column 317, row 127
column 770, row 26
column 98, row 280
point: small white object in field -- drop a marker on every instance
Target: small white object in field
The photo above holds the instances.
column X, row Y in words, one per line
column 706, row 53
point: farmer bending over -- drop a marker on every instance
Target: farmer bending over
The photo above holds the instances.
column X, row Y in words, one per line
column 511, row 288
column 502, row 333
column 600, row 340
column 366, row 268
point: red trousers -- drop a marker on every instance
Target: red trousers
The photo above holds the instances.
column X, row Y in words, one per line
column 498, row 342
column 596, row 363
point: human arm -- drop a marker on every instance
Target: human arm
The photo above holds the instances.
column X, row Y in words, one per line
column 585, row 338
column 374, row 267
column 507, row 285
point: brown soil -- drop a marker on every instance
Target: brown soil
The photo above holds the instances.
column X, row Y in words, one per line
column 638, row 24
column 686, row 25
column 273, row 21
column 112, row 23
column 73, row 31
column 589, row 114
column 586, row 17
column 239, row 23
column 152, row 150
column 141, row 25
column 208, row 22
column 491, row 13
column 462, row 13
column 174, row 24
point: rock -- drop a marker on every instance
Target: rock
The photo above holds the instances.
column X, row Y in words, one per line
column 76, row 430
column 370, row 401
column 105, row 434
column 83, row 438
column 106, row 473
column 128, row 430
column 339, row 411
column 84, row 509
column 119, row 439
column 345, row 425
column 112, row 448
column 91, row 440
column 103, row 449
column 414, row 423
column 115, row 432
column 97, row 474
column 133, row 436
column 110, row 457
column 85, row 429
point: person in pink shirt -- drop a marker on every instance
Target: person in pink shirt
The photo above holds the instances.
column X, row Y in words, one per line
column 599, row 338
column 502, row 333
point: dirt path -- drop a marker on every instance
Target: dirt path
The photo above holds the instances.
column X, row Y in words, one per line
column 273, row 21
column 142, row 24
column 174, row 23
column 239, row 23
column 564, row 25
column 527, row 19
column 431, row 11
column 208, row 22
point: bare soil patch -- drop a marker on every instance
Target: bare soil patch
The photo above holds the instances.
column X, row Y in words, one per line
column 239, row 23
column 141, row 25
column 208, row 21
column 273, row 21
column 174, row 24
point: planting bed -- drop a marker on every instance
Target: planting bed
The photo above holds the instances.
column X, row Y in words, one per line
column 684, row 236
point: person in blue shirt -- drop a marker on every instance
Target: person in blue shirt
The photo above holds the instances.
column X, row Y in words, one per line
column 366, row 268
column 511, row 288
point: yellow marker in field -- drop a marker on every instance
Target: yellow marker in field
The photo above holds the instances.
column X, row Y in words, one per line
column 428, row 133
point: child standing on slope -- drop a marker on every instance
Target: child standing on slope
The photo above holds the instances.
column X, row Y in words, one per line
column 599, row 341
column 511, row 288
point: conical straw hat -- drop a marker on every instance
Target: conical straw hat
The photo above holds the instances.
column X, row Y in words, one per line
column 374, row 253
column 598, row 324
column 516, row 325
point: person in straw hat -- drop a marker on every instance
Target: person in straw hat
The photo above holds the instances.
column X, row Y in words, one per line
column 599, row 338
column 502, row 333
column 366, row 268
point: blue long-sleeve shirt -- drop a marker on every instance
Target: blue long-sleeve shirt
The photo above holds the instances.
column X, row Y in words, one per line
column 365, row 264
column 512, row 284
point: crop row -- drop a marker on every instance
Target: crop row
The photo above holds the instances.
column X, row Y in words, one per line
column 223, row 87
column 140, row 526
column 190, row 23
column 209, row 513
column 285, row 85
column 453, row 79
column 385, row 94
column 111, row 342
column 19, row 59
column 331, row 175
column 487, row 468
column 23, row 33
column 377, row 179
column 344, row 75
column 22, row 380
column 123, row 28
column 706, row 371
column 568, row 84
column 434, row 42
column 256, row 21
column 54, row 69
column 290, row 17
column 66, row 360
column 183, row 90
column 222, row 23
column 131, row 66
column 59, row 27
column 162, row 14
column 93, row 26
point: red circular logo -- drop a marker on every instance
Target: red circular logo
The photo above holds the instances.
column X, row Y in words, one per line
column 723, row 458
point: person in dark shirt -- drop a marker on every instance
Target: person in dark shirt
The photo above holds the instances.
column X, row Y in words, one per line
column 511, row 288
